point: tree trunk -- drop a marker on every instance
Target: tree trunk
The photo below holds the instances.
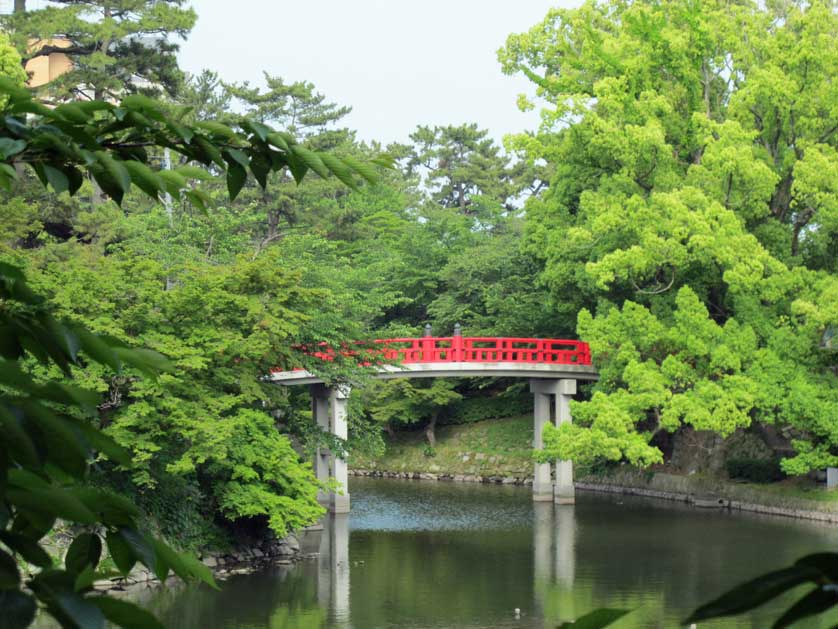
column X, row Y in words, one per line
column 20, row 6
column 388, row 427
column 430, row 429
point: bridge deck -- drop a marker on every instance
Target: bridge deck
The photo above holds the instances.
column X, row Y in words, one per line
column 456, row 370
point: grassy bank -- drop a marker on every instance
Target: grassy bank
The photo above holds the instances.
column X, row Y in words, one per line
column 497, row 447
column 502, row 448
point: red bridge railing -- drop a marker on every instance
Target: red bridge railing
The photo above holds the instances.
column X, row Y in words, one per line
column 477, row 349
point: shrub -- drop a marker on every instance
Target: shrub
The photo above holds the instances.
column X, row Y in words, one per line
column 755, row 470
column 478, row 409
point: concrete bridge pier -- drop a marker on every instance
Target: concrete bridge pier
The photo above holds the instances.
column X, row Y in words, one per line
column 328, row 406
column 552, row 403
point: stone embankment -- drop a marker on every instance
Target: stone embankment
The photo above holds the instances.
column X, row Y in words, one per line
column 458, row 478
column 700, row 492
column 223, row 564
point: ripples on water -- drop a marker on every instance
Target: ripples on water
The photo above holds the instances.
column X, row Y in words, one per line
column 465, row 555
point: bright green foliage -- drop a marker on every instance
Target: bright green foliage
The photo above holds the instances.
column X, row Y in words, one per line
column 691, row 217
column 47, row 445
column 10, row 61
column 223, row 328
column 115, row 47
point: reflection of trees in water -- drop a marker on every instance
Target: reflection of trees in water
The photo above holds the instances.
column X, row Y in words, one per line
column 280, row 597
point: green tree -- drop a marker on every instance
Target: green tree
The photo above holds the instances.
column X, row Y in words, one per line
column 115, row 46
column 402, row 401
column 464, row 170
column 690, row 216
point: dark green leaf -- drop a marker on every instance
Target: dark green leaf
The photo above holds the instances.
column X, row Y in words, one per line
column 827, row 563
column 260, row 167
column 146, row 360
column 755, row 592
column 258, row 129
column 144, row 178
column 126, row 614
column 17, row 610
column 340, row 170
column 10, row 147
column 58, row 502
column 141, row 549
column 365, row 170
column 596, row 619
column 210, row 150
column 111, row 508
column 217, row 129
column 9, row 575
column 13, row 90
column 297, row 167
column 64, row 445
column 19, row 444
column 84, row 579
column 106, row 445
column 121, row 552
column 73, row 112
column 98, row 349
column 236, row 178
column 27, row 548
column 75, row 179
column 184, row 565
column 311, row 160
column 193, row 172
column 56, row 178
column 80, row 610
column 173, row 182
column 115, row 169
column 815, row 602
column 86, row 550
column 278, row 141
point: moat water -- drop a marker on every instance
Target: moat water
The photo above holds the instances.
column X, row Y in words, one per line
column 424, row 554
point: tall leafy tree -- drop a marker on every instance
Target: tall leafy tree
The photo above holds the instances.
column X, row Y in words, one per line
column 691, row 215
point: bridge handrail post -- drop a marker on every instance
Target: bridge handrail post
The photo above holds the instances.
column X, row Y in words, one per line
column 457, row 344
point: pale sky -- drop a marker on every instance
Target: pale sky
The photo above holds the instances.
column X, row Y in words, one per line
column 397, row 63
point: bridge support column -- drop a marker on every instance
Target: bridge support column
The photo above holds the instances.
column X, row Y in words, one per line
column 564, row 491
column 552, row 402
column 338, row 399
column 328, row 406
column 542, row 483
column 320, row 413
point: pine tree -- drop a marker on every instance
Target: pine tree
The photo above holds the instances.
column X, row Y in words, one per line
column 116, row 46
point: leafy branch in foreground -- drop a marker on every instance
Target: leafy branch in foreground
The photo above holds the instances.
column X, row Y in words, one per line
column 112, row 144
column 820, row 570
column 48, row 443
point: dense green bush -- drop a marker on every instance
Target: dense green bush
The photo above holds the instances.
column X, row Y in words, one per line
column 755, row 470
column 477, row 409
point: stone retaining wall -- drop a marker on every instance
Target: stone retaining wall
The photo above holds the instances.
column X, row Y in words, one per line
column 222, row 564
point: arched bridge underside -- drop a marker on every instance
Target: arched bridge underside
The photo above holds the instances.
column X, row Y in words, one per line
column 552, row 365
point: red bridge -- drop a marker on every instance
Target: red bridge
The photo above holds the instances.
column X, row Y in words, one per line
column 552, row 365
column 452, row 356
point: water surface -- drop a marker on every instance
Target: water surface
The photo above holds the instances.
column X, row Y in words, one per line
column 423, row 555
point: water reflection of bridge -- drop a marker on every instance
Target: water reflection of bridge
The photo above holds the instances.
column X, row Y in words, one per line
column 553, row 548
